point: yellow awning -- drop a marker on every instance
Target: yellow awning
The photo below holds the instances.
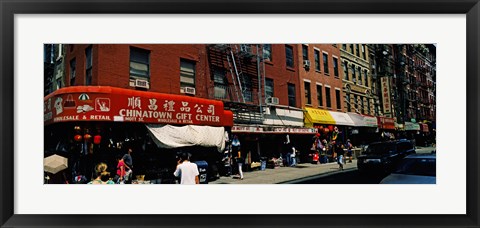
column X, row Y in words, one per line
column 318, row 116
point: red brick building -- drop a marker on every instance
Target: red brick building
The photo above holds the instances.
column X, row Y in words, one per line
column 162, row 66
column 320, row 76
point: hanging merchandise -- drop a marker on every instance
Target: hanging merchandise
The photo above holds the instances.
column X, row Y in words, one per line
column 87, row 137
column 330, row 127
column 77, row 138
column 97, row 139
column 326, row 130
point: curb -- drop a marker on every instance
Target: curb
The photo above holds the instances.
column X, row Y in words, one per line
column 296, row 181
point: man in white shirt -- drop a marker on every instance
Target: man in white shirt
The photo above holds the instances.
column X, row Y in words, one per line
column 187, row 171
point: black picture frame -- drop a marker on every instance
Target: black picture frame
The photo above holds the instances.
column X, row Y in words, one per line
column 9, row 8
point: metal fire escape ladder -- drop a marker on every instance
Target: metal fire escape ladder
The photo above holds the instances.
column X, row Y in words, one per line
column 233, row 78
column 237, row 76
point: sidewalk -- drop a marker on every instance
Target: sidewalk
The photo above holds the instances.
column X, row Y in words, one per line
column 284, row 174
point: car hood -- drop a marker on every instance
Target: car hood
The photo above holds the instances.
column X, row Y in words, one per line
column 408, row 179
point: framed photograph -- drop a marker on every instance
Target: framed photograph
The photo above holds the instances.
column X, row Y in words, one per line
column 306, row 33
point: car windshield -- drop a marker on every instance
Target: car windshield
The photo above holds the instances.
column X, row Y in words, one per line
column 417, row 166
column 380, row 148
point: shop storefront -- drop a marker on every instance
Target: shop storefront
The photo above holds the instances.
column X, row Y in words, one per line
column 386, row 127
column 365, row 130
column 92, row 124
column 327, row 121
column 282, row 128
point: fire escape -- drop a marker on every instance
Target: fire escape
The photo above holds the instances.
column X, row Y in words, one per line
column 238, row 74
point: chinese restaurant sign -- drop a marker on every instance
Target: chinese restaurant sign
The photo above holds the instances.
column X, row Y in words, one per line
column 115, row 104
column 386, row 96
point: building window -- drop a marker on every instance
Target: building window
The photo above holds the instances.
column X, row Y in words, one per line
column 345, row 70
column 344, row 46
column 368, row 106
column 351, row 48
column 73, row 73
column 355, row 101
column 308, row 98
column 358, row 50
column 317, row 60
column 247, row 88
column 267, row 52
column 139, row 63
column 365, row 75
column 269, row 87
column 88, row 65
column 364, row 52
column 361, row 104
column 354, row 76
column 305, row 52
column 220, row 82
column 187, row 73
column 327, row 96
column 289, row 56
column 337, row 97
column 335, row 67
column 319, row 95
column 291, row 95
column 359, row 75
column 325, row 63
column 347, row 98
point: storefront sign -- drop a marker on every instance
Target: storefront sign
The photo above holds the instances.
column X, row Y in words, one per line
column 294, row 130
column 370, row 121
column 247, row 129
column 386, row 123
column 424, row 127
column 386, row 95
column 87, row 103
column 409, row 126
column 289, row 130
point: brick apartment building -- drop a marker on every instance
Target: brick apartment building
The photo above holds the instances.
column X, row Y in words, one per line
column 321, row 76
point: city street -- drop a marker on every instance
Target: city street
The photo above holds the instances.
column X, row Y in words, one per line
column 306, row 173
column 346, row 177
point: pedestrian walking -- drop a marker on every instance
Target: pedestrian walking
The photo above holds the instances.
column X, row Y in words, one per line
column 339, row 150
column 186, row 171
column 293, row 157
column 239, row 159
column 349, row 147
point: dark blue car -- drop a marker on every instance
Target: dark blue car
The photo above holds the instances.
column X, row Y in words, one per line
column 383, row 157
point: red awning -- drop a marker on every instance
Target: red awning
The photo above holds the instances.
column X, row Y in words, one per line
column 386, row 123
column 104, row 103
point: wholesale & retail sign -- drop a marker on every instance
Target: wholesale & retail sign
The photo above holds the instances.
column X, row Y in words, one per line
column 123, row 105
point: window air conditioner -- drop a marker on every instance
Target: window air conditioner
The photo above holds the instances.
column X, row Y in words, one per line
column 141, row 83
column 187, row 90
column 272, row 101
column 306, row 64
column 245, row 48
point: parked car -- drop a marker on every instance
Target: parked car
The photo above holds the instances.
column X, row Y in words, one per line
column 414, row 169
column 383, row 157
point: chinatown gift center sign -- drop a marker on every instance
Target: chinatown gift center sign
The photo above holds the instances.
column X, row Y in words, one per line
column 387, row 110
column 103, row 103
